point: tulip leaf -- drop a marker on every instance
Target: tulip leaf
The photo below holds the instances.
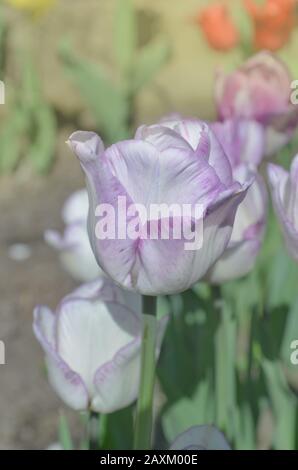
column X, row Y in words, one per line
column 244, row 436
column 282, row 279
column 117, row 430
column 188, row 412
column 65, row 438
column 12, row 139
column 42, row 149
column 3, row 35
column 284, row 405
column 290, row 335
column 191, row 325
column 150, row 59
column 225, row 360
column 107, row 102
column 125, row 35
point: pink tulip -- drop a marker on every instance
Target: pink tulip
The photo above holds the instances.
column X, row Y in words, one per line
column 260, row 90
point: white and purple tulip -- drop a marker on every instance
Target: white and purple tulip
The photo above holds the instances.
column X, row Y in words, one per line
column 175, row 162
column 284, row 190
column 92, row 344
column 243, row 142
column 73, row 245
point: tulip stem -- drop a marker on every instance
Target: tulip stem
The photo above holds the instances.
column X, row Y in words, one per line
column 144, row 413
column 92, row 431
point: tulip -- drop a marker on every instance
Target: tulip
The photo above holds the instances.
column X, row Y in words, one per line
column 183, row 164
column 273, row 22
column 260, row 90
column 218, row 27
column 250, row 221
column 204, row 437
column 284, row 190
column 92, row 346
column 73, row 246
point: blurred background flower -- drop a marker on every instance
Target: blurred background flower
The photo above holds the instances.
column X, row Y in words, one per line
column 218, row 27
column 260, row 89
column 274, row 21
column 35, row 7
column 73, row 246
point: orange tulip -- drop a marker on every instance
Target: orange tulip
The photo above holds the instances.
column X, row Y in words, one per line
column 218, row 27
column 273, row 22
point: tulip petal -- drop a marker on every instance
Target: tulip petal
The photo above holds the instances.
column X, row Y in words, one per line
column 247, row 235
column 162, row 138
column 167, row 267
column 67, row 383
column 117, row 382
column 237, row 260
column 242, row 140
column 75, row 251
column 75, row 208
column 171, row 177
column 96, row 330
column 280, row 183
column 205, row 437
column 193, row 130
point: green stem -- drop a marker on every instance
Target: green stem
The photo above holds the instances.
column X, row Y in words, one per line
column 143, row 426
column 92, row 431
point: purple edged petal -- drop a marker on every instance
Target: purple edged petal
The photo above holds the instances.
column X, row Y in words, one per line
column 67, row 383
column 89, row 332
column 117, row 382
column 282, row 190
column 242, row 140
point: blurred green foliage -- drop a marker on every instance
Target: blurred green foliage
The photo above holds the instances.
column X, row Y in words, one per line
column 112, row 101
column 29, row 129
column 227, row 353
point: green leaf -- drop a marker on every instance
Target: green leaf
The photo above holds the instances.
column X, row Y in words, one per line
column 42, row 150
column 30, row 96
column 3, row 36
column 12, row 139
column 125, row 35
column 282, row 279
column 188, row 412
column 117, row 430
column 225, row 378
column 245, row 428
column 187, row 353
column 284, row 405
column 108, row 103
column 150, row 59
column 64, row 433
column 290, row 335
